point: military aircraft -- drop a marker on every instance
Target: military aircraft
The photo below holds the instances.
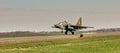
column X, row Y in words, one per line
column 69, row 27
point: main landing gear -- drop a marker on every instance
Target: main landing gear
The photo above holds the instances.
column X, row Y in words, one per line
column 70, row 31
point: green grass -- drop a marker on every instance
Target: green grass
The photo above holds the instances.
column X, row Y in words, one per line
column 105, row 44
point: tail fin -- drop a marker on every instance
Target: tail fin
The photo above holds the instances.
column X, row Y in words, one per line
column 79, row 23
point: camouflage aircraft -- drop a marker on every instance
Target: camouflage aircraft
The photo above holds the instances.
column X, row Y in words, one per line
column 69, row 27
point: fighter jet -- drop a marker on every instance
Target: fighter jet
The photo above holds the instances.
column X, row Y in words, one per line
column 69, row 27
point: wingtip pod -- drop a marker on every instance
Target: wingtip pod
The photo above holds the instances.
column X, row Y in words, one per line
column 53, row 26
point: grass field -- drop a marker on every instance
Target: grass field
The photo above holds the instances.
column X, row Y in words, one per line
column 102, row 44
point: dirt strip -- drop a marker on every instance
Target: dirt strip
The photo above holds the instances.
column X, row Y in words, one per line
column 41, row 38
column 35, row 38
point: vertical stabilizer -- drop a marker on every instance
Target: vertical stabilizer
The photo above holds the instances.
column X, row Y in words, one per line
column 79, row 23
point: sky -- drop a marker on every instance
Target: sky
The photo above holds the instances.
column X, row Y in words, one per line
column 40, row 15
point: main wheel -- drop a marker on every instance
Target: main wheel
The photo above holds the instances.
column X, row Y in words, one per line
column 72, row 33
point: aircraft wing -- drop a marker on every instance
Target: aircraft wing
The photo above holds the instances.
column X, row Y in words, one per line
column 80, row 27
